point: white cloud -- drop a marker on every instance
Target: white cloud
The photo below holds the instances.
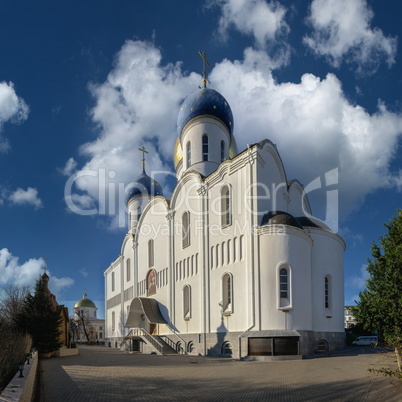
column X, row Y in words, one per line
column 28, row 196
column 265, row 21
column 137, row 105
column 12, row 108
column 56, row 285
column 69, row 168
column 12, row 272
column 359, row 281
column 342, row 32
column 313, row 123
column 83, row 272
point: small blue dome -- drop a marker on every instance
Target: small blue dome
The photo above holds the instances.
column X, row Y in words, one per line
column 205, row 101
column 144, row 185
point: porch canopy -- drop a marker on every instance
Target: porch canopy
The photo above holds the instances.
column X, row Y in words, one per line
column 141, row 308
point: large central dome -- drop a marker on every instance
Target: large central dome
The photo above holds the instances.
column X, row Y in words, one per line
column 205, row 101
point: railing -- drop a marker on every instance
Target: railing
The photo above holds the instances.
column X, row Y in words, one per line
column 126, row 338
column 142, row 332
column 166, row 339
column 183, row 342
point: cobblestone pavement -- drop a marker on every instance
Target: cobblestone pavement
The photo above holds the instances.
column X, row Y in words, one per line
column 102, row 374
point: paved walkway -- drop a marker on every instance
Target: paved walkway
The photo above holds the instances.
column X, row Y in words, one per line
column 102, row 374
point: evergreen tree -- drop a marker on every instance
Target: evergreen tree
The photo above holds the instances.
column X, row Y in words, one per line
column 39, row 318
column 380, row 305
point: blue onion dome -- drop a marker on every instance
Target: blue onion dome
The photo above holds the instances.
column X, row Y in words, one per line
column 145, row 186
column 205, row 101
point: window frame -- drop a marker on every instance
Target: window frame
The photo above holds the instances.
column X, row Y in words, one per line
column 227, row 293
column 151, row 258
column 284, row 302
column 188, row 154
column 187, row 302
column 328, row 295
column 222, row 151
column 226, row 205
column 205, row 147
column 185, row 221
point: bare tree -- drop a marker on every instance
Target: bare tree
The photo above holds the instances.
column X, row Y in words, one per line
column 11, row 302
column 83, row 322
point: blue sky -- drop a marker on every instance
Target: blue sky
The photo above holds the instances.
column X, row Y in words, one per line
column 84, row 84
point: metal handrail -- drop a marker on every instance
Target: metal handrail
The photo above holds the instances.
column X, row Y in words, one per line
column 155, row 343
column 181, row 339
column 125, row 339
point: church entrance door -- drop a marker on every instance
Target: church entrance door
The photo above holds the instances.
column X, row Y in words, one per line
column 153, row 329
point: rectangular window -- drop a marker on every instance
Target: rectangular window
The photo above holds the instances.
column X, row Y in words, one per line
column 204, row 147
column 188, row 154
column 283, row 283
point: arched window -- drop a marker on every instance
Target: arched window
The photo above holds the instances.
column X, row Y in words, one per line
column 150, row 253
column 227, row 293
column 227, row 349
column 128, row 268
column 222, row 151
column 205, row 147
column 226, row 206
column 284, row 286
column 187, row 302
column 188, row 154
column 327, row 291
column 284, row 283
column 113, row 321
column 190, row 347
column 186, row 229
column 113, row 284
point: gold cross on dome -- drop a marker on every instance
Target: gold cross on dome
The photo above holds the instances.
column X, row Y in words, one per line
column 143, row 156
column 204, row 68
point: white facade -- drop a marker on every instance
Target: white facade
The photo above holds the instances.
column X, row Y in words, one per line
column 95, row 327
column 253, row 276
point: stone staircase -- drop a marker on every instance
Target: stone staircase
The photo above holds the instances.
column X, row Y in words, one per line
column 166, row 348
column 154, row 342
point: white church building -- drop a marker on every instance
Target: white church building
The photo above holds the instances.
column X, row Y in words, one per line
column 85, row 314
column 233, row 263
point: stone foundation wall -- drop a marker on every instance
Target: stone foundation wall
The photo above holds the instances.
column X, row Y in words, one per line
column 211, row 344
